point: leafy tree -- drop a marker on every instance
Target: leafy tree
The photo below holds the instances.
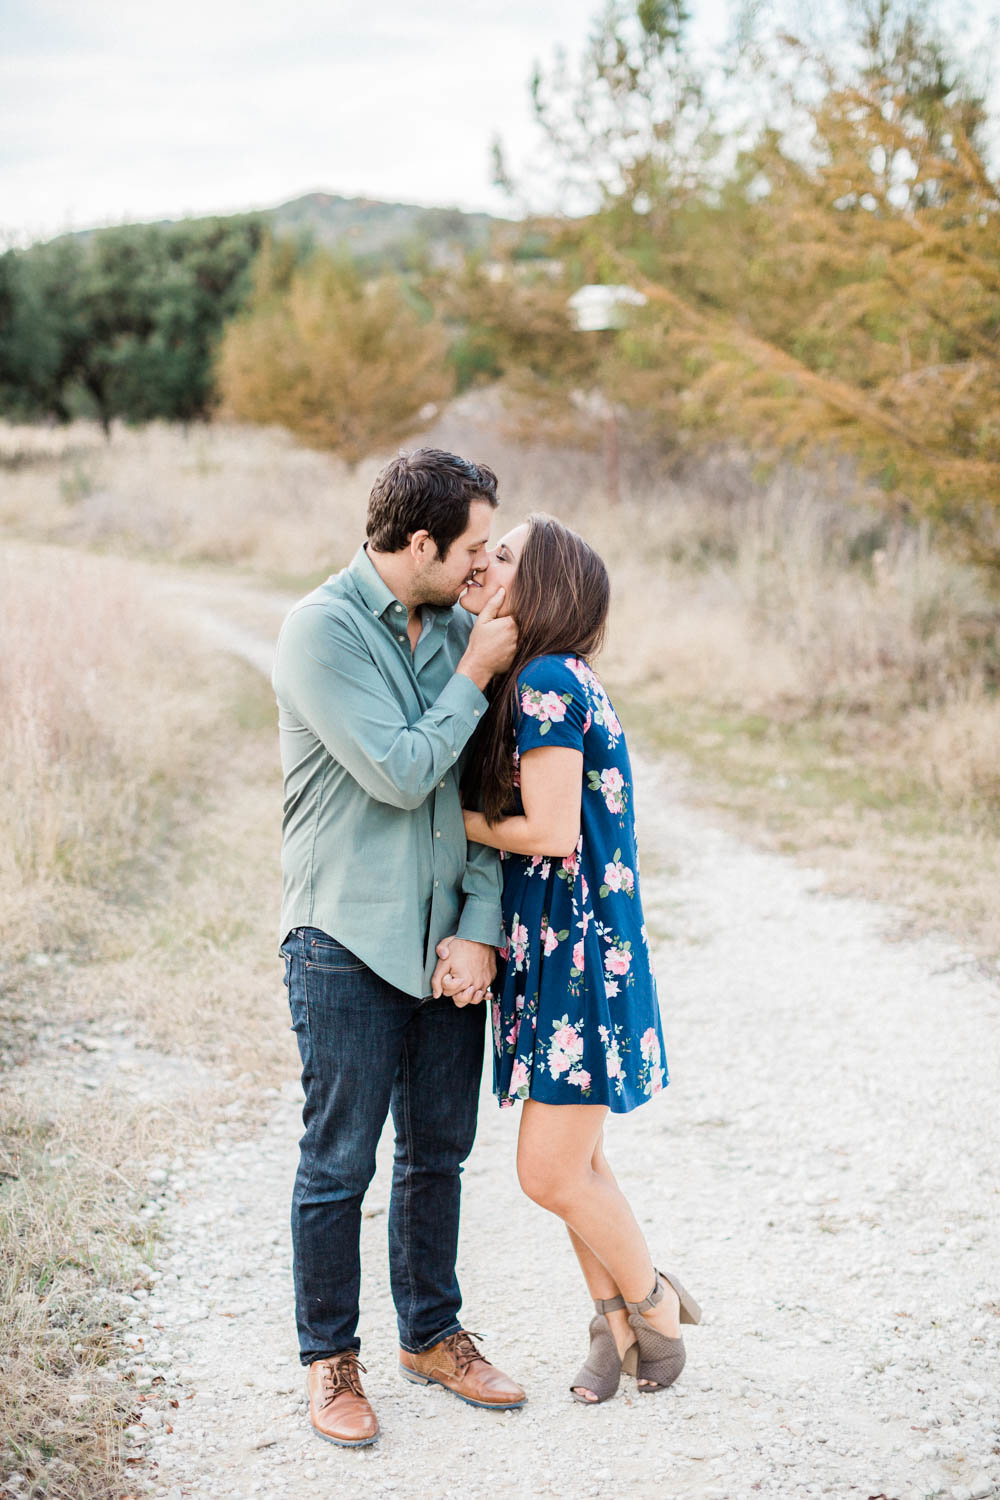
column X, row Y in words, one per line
column 123, row 323
column 42, row 329
column 871, row 318
column 836, row 288
column 342, row 363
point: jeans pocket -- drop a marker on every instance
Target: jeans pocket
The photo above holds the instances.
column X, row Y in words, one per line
column 323, row 952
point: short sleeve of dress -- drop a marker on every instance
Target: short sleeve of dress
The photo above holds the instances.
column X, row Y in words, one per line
column 552, row 705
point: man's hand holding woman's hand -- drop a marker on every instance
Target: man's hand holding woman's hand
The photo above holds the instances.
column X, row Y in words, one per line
column 464, row 970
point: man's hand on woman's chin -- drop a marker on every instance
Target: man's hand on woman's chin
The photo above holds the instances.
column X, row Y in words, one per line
column 464, row 970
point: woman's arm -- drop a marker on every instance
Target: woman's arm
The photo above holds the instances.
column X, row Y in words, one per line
column 551, row 791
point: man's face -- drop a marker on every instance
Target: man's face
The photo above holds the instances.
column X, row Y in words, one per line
column 440, row 580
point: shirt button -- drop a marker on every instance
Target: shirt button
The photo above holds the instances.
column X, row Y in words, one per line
column 476, row 712
column 440, row 783
column 437, row 834
column 398, row 608
column 436, row 884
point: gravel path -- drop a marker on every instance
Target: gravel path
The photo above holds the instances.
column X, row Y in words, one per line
column 822, row 1172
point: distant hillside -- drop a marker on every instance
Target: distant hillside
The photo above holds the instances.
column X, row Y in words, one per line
column 369, row 227
column 380, row 234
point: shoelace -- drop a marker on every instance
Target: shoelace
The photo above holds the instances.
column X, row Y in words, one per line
column 464, row 1349
column 342, row 1375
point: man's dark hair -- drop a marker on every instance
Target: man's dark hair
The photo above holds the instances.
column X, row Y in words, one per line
column 426, row 490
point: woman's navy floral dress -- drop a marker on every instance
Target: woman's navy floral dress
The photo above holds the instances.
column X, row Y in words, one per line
column 575, row 1016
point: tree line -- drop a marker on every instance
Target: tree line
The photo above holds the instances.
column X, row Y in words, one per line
column 822, row 278
column 121, row 323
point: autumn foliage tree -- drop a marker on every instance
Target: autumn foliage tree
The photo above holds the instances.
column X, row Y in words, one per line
column 835, row 287
column 870, row 317
column 343, row 363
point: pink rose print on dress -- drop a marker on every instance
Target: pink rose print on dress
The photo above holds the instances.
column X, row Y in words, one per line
column 651, row 1072
column 550, row 938
column 618, row 959
column 518, row 1080
column 580, row 670
column 612, row 785
column 565, row 1053
column 568, row 1040
column 547, row 708
column 578, row 956
column 518, row 943
column 618, row 877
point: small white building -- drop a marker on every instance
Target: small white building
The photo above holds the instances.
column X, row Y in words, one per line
column 597, row 307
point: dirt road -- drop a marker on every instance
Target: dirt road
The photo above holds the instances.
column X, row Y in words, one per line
column 822, row 1172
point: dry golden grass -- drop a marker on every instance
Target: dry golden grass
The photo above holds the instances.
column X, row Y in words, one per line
column 795, row 597
column 137, row 893
column 247, row 496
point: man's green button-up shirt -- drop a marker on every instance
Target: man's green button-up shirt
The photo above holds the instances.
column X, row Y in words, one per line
column 373, row 842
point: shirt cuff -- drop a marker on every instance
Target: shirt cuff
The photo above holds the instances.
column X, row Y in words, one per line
column 461, row 697
column 481, row 922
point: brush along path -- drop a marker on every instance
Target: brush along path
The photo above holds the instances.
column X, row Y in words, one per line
column 821, row 1173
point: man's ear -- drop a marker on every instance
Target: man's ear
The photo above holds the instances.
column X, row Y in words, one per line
column 422, row 548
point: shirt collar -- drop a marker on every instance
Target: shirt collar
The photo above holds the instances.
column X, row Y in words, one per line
column 377, row 596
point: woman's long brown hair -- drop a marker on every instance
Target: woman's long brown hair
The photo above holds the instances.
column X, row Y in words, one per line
column 559, row 597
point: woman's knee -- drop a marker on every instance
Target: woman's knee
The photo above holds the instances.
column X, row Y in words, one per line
column 545, row 1185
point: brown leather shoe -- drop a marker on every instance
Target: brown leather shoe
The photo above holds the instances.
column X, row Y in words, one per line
column 457, row 1364
column 338, row 1408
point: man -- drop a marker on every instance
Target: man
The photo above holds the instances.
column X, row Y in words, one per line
column 380, row 683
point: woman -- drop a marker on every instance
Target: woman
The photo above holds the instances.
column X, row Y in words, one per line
column 576, row 1023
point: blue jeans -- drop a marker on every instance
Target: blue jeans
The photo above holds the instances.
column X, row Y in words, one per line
column 366, row 1047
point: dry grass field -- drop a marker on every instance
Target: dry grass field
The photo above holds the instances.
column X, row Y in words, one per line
column 827, row 676
column 831, row 675
column 139, row 1001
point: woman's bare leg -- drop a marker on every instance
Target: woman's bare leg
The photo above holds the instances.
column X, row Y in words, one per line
column 600, row 1283
column 561, row 1167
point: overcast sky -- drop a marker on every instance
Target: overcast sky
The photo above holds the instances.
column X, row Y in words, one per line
column 122, row 109
column 112, row 110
